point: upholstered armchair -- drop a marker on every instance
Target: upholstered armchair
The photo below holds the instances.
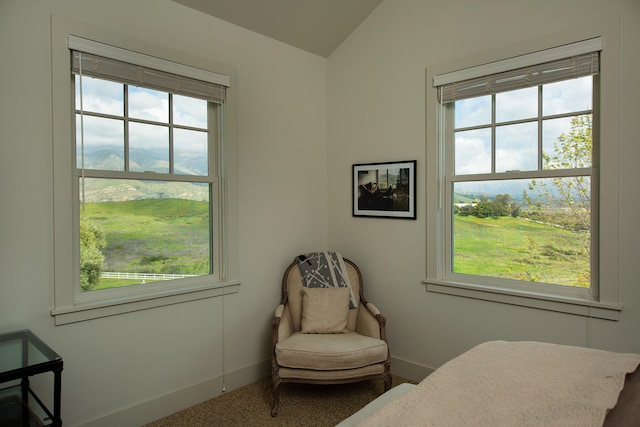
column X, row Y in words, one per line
column 319, row 339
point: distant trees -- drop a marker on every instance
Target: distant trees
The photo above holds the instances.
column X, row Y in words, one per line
column 501, row 205
column 91, row 259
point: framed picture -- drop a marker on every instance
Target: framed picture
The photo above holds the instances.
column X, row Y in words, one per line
column 386, row 190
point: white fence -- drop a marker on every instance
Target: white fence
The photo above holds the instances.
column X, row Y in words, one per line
column 143, row 276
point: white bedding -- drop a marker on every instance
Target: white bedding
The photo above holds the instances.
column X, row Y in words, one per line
column 514, row 384
column 374, row 405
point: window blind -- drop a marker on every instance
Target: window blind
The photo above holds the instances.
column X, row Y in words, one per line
column 112, row 63
column 575, row 63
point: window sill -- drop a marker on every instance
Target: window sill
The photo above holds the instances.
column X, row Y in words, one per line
column 94, row 310
column 558, row 303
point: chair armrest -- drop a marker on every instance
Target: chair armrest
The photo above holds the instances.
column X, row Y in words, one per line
column 282, row 324
column 371, row 322
column 373, row 309
column 279, row 310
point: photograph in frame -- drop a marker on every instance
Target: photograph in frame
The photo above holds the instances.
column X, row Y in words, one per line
column 385, row 189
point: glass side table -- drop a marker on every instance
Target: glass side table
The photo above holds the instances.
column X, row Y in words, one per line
column 22, row 355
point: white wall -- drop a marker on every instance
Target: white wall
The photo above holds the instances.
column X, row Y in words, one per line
column 376, row 112
column 133, row 368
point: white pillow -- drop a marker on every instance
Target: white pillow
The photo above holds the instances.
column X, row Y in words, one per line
column 325, row 310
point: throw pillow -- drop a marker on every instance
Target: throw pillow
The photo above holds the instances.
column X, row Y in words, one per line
column 325, row 310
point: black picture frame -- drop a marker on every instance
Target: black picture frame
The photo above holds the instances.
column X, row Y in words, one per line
column 385, row 190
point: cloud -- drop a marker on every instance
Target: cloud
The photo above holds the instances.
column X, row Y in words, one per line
column 517, row 147
column 567, row 96
column 99, row 131
column 473, row 152
column 473, row 112
column 148, row 104
column 189, row 111
column 517, row 105
column 100, row 96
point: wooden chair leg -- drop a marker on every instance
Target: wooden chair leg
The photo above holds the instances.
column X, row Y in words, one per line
column 387, row 381
column 275, row 392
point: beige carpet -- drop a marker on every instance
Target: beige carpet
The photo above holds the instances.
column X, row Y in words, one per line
column 300, row 405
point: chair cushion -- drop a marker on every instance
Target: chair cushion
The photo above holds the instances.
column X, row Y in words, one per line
column 324, row 310
column 330, row 351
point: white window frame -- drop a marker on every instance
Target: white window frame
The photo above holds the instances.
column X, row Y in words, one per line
column 603, row 304
column 69, row 304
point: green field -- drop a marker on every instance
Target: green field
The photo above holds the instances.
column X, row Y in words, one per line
column 139, row 240
column 177, row 242
column 114, row 283
column 516, row 248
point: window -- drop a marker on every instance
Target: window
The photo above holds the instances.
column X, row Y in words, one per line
column 517, row 176
column 147, row 195
column 147, row 183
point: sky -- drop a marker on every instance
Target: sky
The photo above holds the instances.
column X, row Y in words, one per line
column 516, row 145
column 106, row 97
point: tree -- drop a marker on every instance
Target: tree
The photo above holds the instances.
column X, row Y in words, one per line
column 91, row 258
column 466, row 210
column 568, row 198
column 502, row 205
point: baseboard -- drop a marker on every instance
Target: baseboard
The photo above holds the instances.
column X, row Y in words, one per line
column 409, row 370
column 247, row 375
column 145, row 412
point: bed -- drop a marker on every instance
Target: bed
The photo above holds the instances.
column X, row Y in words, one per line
column 502, row 383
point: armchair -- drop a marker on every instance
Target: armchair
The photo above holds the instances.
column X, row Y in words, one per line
column 354, row 349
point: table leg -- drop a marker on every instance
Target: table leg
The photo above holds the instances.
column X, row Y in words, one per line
column 57, row 391
column 24, row 388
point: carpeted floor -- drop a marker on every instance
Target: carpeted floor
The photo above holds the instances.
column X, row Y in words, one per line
column 300, row 405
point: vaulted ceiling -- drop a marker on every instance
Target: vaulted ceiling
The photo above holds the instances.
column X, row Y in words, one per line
column 317, row 26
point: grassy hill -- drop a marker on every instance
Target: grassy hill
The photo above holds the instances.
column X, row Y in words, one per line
column 516, row 248
column 140, row 239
